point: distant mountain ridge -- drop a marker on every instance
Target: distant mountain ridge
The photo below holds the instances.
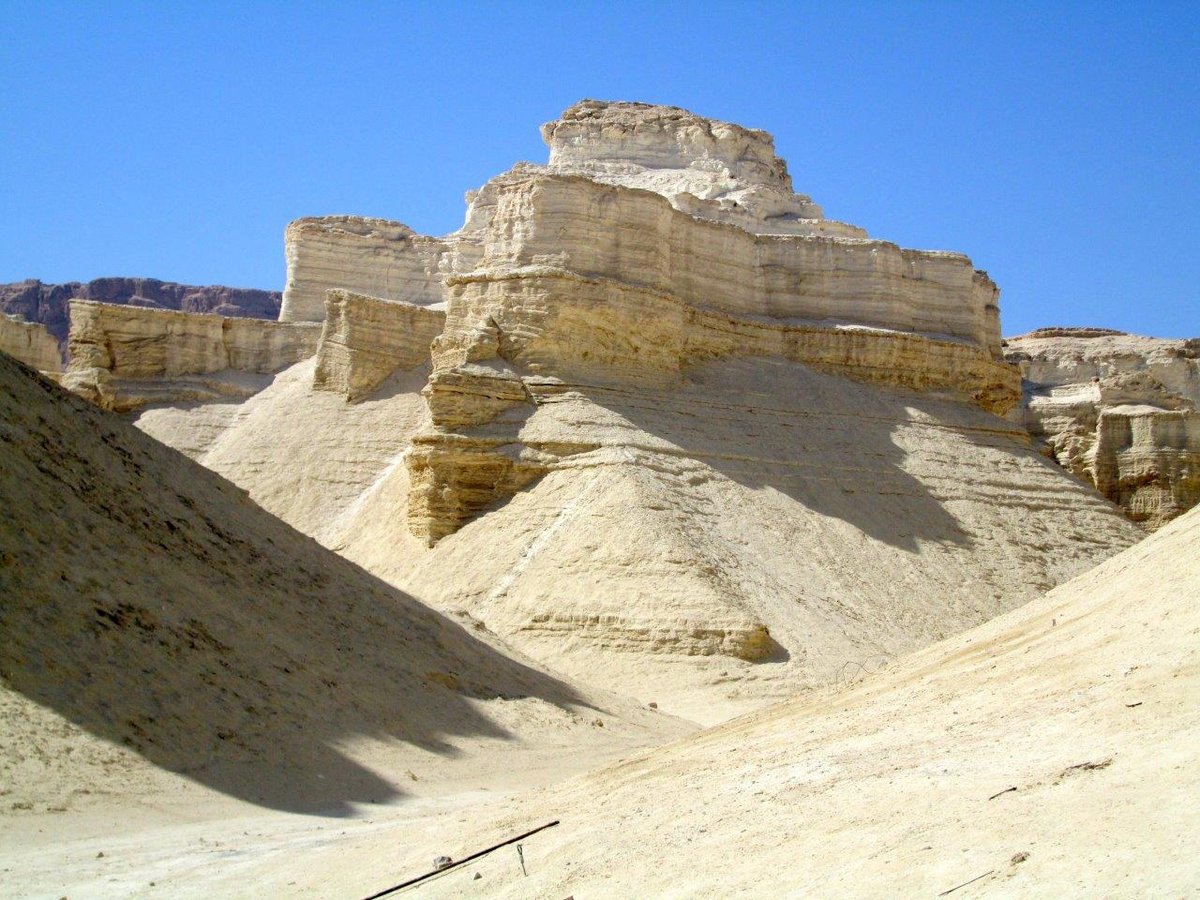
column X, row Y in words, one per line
column 36, row 301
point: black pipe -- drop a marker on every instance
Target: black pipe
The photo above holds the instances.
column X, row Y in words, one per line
column 461, row 862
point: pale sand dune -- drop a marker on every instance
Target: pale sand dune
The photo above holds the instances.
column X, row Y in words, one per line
column 1054, row 751
column 172, row 652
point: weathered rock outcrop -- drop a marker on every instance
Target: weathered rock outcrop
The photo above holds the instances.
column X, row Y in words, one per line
column 47, row 303
column 653, row 240
column 123, row 357
column 30, row 342
column 600, row 231
column 374, row 257
column 583, row 277
column 706, row 168
column 1119, row 411
column 673, row 416
column 366, row 339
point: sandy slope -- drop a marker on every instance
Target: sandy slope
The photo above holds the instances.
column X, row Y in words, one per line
column 166, row 645
column 855, row 522
column 304, row 455
column 1052, row 752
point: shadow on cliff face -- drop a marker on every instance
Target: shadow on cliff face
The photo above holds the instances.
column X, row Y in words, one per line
column 826, row 442
column 148, row 601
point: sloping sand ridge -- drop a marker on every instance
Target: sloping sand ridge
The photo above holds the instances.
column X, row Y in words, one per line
column 156, row 621
column 1054, row 751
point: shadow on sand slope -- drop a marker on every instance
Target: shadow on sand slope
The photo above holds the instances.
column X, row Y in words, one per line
column 145, row 599
column 825, row 442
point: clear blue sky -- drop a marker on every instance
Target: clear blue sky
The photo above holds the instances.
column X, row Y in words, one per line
column 1057, row 144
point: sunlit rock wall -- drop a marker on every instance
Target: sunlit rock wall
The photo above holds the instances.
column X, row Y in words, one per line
column 366, row 339
column 122, row 357
column 30, row 342
column 1118, row 410
column 374, row 257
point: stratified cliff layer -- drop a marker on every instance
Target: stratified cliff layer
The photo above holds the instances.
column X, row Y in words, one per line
column 47, row 303
column 30, row 342
column 576, row 273
column 706, row 168
column 593, row 210
column 374, row 257
column 124, row 357
column 366, row 339
column 1118, row 410
column 676, row 432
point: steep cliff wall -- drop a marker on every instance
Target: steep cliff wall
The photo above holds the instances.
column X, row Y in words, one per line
column 1119, row 411
column 124, row 357
column 31, row 343
column 594, row 284
column 634, row 236
column 374, row 257
column 366, row 339
column 47, row 303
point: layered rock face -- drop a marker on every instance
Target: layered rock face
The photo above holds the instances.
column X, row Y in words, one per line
column 366, row 339
column 29, row 342
column 676, row 429
column 590, row 211
column 1119, row 411
column 48, row 303
column 706, row 168
column 374, row 257
column 124, row 357
column 580, row 275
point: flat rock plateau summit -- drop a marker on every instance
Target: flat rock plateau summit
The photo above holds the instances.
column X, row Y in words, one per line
column 651, row 475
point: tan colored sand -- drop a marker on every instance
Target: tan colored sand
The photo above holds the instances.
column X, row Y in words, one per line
column 1052, row 752
column 172, row 654
column 866, row 790
column 1085, row 701
column 855, row 522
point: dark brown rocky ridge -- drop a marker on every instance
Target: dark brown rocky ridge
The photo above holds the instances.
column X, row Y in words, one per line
column 36, row 301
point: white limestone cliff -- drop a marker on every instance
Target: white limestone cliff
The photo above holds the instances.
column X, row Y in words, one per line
column 584, row 281
column 1118, row 410
column 675, row 428
column 706, row 168
column 653, row 240
column 374, row 257
column 366, row 339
